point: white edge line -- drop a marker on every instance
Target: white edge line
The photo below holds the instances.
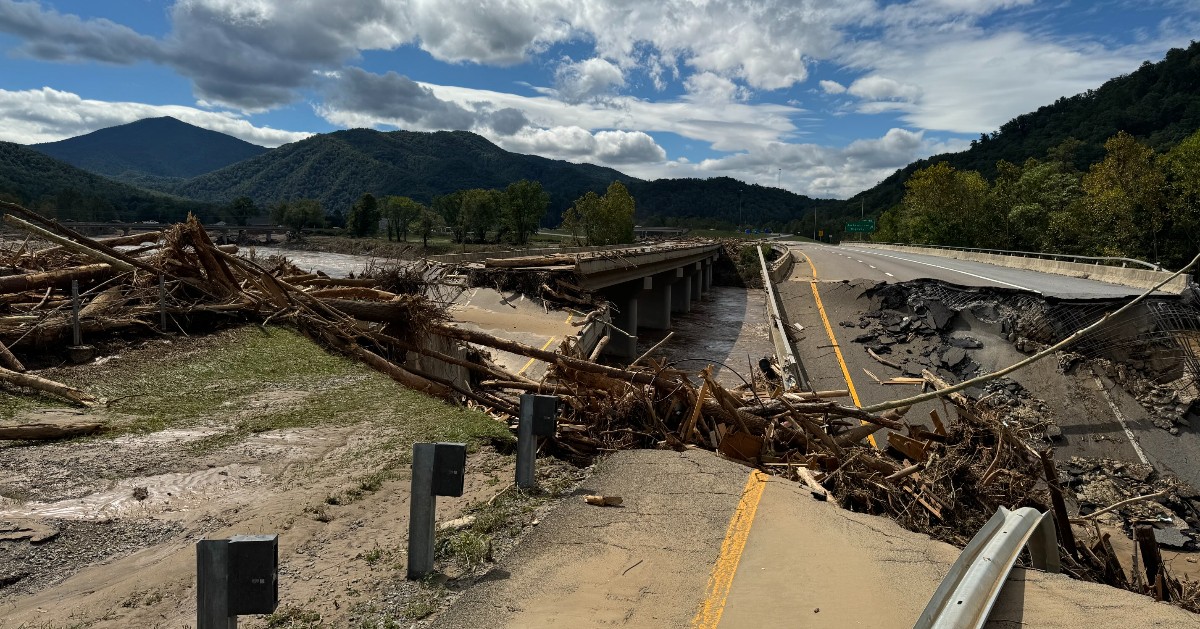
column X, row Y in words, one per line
column 1121, row 418
column 946, row 268
column 888, row 274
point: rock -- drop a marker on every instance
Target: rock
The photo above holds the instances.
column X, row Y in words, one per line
column 864, row 338
column 911, row 368
column 141, row 493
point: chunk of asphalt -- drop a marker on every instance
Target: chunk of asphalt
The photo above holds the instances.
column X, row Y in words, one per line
column 953, row 356
column 937, row 314
column 1171, row 537
column 966, row 342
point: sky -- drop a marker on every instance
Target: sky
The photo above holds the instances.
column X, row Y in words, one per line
column 821, row 97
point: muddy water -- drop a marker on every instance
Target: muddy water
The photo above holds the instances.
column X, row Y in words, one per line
column 728, row 326
column 331, row 264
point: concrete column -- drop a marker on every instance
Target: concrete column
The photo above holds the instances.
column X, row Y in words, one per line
column 697, row 282
column 681, row 292
column 625, row 297
column 708, row 270
column 654, row 307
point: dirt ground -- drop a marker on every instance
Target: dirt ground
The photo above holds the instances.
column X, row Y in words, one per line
column 245, row 431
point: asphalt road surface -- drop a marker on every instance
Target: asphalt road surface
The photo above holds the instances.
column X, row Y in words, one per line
column 847, row 262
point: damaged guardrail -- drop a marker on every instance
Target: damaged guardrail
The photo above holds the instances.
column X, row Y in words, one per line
column 967, row 594
column 793, row 371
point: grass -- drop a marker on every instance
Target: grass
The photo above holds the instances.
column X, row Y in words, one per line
column 289, row 617
column 229, row 380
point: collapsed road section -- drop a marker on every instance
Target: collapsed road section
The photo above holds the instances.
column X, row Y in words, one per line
column 944, row 476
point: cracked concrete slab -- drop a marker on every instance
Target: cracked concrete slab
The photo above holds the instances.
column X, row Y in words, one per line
column 644, row 564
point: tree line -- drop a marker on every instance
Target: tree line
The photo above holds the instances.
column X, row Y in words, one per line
column 477, row 215
column 1134, row 203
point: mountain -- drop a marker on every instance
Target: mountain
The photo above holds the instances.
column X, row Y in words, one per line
column 1159, row 104
column 151, row 149
column 32, row 179
column 338, row 167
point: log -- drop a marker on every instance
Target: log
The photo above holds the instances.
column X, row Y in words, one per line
column 377, row 311
column 48, row 386
column 9, row 360
column 651, row 350
column 117, row 241
column 49, row 429
column 101, row 256
column 363, row 282
column 60, row 278
column 108, row 300
column 480, row 338
column 513, row 263
column 353, row 292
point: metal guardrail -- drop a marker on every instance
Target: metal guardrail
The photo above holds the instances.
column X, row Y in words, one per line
column 967, row 594
column 1027, row 254
column 793, row 371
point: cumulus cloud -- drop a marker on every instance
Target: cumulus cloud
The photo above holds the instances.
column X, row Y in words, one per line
column 590, row 79
column 709, row 87
column 832, row 87
column 48, row 115
column 876, row 87
column 820, row 171
column 394, row 99
column 577, row 144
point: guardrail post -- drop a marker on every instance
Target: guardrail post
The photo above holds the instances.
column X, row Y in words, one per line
column 422, row 509
column 78, row 333
column 538, row 415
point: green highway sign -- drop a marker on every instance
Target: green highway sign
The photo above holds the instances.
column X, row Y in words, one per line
column 861, row 226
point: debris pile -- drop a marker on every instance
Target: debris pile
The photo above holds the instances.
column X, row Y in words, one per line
column 946, row 480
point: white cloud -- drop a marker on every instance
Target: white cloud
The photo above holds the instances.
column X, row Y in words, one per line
column 707, row 87
column 616, row 148
column 832, row 87
column 587, row 80
column 48, row 115
column 876, row 87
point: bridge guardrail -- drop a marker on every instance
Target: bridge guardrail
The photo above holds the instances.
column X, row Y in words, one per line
column 793, row 371
column 1143, row 278
column 1036, row 254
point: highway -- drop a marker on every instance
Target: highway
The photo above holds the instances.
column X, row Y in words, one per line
column 847, row 262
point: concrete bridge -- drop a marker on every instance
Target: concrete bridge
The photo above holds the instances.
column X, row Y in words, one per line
column 646, row 287
column 128, row 228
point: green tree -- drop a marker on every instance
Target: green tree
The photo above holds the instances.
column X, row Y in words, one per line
column 427, row 222
column 602, row 220
column 240, row 211
column 479, row 213
column 525, row 204
column 363, row 219
column 1181, row 167
column 298, row 215
column 400, row 212
column 1124, row 206
column 945, row 206
column 449, row 207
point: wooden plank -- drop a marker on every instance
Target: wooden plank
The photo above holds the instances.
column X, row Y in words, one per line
column 907, row 446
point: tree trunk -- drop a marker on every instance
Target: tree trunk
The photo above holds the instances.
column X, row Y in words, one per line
column 49, row 429
column 48, row 386
column 60, row 278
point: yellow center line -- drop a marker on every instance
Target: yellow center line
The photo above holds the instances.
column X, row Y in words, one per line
column 837, row 349
column 721, row 579
column 569, row 318
column 528, row 364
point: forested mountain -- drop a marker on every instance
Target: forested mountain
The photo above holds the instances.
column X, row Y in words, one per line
column 150, row 149
column 336, row 168
column 58, row 189
column 1158, row 104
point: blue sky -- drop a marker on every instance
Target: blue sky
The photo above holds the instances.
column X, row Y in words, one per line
column 826, row 97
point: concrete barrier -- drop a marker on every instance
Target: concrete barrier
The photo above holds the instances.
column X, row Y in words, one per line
column 781, row 268
column 1137, row 278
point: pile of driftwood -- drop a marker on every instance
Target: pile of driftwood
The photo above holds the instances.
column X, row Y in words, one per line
column 945, row 477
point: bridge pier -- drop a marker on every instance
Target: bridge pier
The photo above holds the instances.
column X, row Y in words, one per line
column 654, row 307
column 698, row 282
column 681, row 291
column 707, row 275
column 622, row 342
